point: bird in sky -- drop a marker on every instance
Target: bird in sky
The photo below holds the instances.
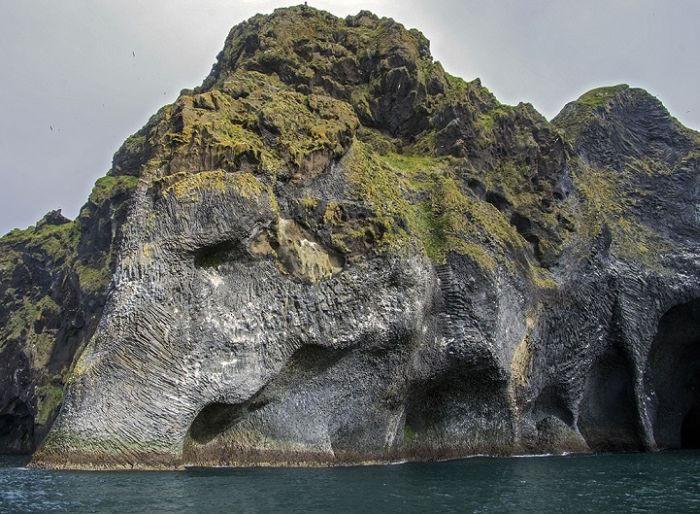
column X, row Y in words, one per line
column 133, row 53
column 51, row 127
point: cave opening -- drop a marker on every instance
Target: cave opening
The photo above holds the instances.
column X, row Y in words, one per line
column 212, row 420
column 223, row 432
column 608, row 416
column 215, row 255
column 16, row 428
column 690, row 430
column 673, row 378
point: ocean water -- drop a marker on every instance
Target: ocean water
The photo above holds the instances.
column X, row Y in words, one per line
column 661, row 482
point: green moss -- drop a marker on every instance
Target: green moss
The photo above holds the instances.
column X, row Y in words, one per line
column 309, row 124
column 584, row 112
column 457, row 85
column 55, row 242
column 376, row 141
column 542, row 278
column 108, row 186
column 190, row 187
column 309, row 202
column 418, row 200
column 412, row 164
column 94, row 277
column 408, row 433
column 487, row 122
column 47, row 303
column 49, row 398
column 475, row 252
column 634, row 241
column 259, row 123
column 21, row 328
column 58, row 442
column 488, row 119
column 331, row 215
column 247, row 185
column 607, row 202
column 134, row 142
column 18, row 324
column 425, row 144
column 601, row 96
column 35, row 234
column 649, row 166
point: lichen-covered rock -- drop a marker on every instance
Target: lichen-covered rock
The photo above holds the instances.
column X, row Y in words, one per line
column 335, row 252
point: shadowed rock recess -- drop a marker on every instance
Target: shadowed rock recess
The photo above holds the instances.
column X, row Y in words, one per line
column 334, row 252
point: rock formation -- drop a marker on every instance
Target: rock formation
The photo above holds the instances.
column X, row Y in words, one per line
column 333, row 251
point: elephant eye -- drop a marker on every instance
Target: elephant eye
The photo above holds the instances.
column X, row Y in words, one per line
column 215, row 255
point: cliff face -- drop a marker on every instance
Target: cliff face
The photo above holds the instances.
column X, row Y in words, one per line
column 335, row 252
column 53, row 285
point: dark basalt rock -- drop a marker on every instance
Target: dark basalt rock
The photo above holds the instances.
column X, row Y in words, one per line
column 53, row 285
column 335, row 252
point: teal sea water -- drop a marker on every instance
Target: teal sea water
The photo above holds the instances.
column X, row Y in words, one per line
column 662, row 482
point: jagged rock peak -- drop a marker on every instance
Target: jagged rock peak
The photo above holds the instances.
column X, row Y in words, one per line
column 303, row 45
column 291, row 90
column 54, row 217
column 614, row 124
column 383, row 70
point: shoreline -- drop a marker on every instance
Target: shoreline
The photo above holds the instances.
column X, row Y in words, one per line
column 310, row 464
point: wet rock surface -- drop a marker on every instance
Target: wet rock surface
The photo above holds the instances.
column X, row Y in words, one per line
column 334, row 252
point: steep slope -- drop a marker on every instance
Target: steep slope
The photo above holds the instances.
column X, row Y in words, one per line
column 337, row 252
column 53, row 284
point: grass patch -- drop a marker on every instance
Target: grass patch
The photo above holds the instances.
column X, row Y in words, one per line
column 418, row 200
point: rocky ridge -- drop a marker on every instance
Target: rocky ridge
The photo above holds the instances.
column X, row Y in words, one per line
column 333, row 251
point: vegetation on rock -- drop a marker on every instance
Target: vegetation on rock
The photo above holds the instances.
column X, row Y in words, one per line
column 353, row 144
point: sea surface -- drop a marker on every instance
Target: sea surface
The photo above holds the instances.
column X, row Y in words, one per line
column 661, row 482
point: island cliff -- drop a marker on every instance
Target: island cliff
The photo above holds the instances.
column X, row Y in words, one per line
column 334, row 252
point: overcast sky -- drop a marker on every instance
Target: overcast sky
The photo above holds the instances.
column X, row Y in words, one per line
column 69, row 65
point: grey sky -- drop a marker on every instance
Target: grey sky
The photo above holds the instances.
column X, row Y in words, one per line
column 69, row 64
